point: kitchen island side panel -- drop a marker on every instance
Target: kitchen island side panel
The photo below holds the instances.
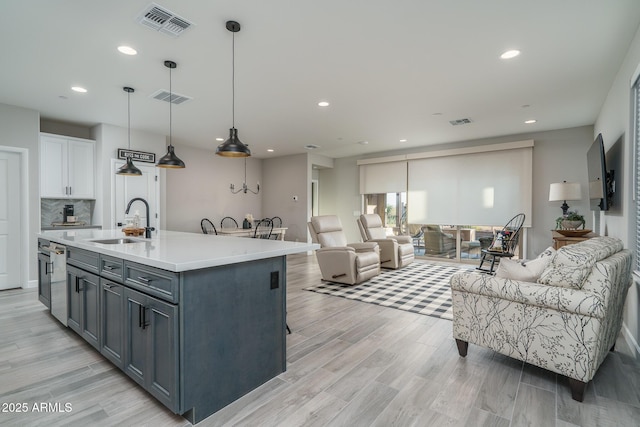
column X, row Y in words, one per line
column 233, row 332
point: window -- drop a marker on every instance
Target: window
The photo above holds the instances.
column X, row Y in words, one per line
column 636, row 136
column 450, row 201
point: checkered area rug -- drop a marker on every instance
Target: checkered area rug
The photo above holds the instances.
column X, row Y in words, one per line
column 419, row 288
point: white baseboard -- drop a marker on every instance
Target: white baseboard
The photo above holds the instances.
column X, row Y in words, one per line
column 631, row 342
column 31, row 284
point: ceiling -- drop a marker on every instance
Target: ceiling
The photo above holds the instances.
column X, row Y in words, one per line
column 391, row 70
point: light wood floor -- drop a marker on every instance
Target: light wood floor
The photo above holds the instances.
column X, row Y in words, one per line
column 349, row 364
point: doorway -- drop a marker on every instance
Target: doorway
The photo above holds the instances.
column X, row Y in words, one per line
column 125, row 188
column 13, row 218
column 315, row 208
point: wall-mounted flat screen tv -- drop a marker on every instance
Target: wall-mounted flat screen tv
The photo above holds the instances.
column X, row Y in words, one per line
column 599, row 197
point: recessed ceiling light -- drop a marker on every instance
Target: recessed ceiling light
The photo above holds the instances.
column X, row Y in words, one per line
column 363, row 142
column 311, row 146
column 220, row 139
column 127, row 50
column 78, row 89
column 403, row 140
column 530, row 121
column 510, row 54
column 270, row 150
column 436, row 114
column 323, row 104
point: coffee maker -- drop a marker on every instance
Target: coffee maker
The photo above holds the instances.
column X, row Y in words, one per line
column 66, row 213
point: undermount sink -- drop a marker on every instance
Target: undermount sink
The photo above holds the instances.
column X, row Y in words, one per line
column 118, row 241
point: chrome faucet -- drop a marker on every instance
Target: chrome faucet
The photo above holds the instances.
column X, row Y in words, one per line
column 147, row 229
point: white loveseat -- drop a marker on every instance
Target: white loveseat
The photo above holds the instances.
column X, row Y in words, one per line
column 566, row 321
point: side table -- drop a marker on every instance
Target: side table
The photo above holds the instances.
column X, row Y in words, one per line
column 559, row 240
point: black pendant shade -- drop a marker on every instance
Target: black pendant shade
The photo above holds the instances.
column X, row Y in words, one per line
column 233, row 147
column 170, row 160
column 129, row 168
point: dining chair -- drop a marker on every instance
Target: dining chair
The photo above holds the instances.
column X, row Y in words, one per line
column 263, row 229
column 208, row 227
column 277, row 223
column 228, row 222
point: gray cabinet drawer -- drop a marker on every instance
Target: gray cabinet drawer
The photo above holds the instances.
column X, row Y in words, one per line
column 112, row 267
column 153, row 281
column 86, row 260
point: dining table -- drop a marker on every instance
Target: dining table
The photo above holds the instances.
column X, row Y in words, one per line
column 250, row 232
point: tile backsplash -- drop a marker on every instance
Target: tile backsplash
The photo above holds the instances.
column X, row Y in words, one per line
column 51, row 210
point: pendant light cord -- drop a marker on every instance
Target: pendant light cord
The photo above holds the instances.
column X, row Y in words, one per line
column 233, row 79
column 170, row 109
column 129, row 117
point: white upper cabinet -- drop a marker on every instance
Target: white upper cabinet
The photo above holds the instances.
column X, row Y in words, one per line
column 67, row 167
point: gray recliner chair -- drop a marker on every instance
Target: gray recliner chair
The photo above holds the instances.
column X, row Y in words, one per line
column 339, row 261
column 395, row 251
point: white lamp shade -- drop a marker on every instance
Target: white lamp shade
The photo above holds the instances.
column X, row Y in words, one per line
column 560, row 191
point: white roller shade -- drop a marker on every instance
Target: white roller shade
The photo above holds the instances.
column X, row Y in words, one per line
column 382, row 178
column 471, row 189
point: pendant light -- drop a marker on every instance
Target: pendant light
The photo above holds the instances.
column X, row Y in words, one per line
column 170, row 160
column 233, row 147
column 129, row 168
column 245, row 187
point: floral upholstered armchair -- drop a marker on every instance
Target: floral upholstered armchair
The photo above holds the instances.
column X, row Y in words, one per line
column 564, row 317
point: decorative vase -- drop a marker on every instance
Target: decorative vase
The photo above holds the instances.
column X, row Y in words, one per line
column 246, row 224
column 571, row 225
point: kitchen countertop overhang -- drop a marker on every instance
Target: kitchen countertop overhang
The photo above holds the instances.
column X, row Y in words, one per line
column 178, row 251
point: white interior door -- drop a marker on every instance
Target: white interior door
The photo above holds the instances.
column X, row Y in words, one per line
column 10, row 220
column 125, row 188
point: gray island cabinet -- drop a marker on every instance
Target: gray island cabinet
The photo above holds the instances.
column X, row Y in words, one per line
column 196, row 320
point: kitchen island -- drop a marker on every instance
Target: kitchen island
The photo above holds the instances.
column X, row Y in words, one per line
column 197, row 320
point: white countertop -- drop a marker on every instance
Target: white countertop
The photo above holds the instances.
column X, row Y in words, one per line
column 178, row 251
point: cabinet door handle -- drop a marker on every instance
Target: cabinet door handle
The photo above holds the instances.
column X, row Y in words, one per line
column 108, row 285
column 108, row 267
column 144, row 318
column 144, row 279
column 77, row 284
column 70, row 192
column 46, row 271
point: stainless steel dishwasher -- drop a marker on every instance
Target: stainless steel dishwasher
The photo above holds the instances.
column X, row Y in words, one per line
column 58, row 262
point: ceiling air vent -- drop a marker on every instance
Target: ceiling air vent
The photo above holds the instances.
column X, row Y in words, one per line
column 163, row 20
column 460, row 122
column 311, row 146
column 176, row 98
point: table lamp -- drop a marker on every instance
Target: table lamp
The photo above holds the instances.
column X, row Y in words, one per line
column 564, row 191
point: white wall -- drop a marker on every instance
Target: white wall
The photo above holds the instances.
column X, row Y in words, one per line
column 614, row 122
column 201, row 189
column 557, row 156
column 284, row 178
column 21, row 128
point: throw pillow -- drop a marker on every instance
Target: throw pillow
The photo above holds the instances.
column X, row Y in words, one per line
column 569, row 266
column 525, row 271
column 549, row 252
